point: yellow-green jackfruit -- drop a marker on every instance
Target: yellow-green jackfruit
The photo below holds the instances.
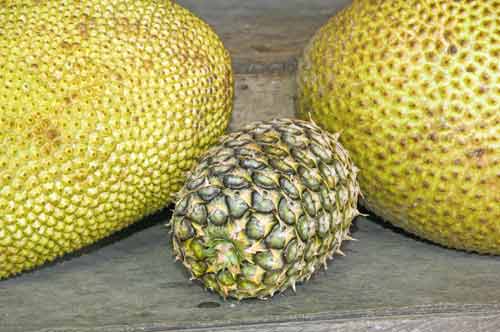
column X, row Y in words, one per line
column 104, row 107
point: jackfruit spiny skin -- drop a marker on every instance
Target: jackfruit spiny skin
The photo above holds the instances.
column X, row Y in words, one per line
column 104, row 106
column 265, row 208
column 415, row 88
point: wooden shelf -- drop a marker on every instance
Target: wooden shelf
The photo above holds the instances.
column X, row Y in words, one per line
column 385, row 282
column 265, row 35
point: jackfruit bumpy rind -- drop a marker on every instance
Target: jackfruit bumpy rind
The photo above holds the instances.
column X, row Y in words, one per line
column 265, row 208
column 104, row 107
column 415, row 88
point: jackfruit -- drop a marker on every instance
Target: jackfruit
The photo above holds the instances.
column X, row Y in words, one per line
column 414, row 87
column 104, row 107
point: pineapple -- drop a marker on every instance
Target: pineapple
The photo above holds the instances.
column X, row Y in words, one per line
column 265, row 208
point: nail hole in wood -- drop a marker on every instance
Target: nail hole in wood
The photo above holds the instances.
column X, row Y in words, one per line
column 208, row 305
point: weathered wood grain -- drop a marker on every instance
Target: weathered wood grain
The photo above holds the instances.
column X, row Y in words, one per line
column 446, row 323
column 262, row 97
column 434, row 323
column 133, row 285
column 265, row 35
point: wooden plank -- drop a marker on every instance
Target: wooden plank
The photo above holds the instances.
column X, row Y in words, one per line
column 445, row 323
column 435, row 323
column 262, row 97
column 133, row 285
column 265, row 36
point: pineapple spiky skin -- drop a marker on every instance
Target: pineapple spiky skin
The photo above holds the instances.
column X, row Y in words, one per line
column 265, row 208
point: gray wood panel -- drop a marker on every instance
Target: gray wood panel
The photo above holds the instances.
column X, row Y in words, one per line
column 444, row 323
column 262, row 97
column 265, row 35
column 133, row 285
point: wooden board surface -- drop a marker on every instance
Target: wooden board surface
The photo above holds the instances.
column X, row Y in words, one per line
column 262, row 97
column 265, row 35
column 385, row 279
